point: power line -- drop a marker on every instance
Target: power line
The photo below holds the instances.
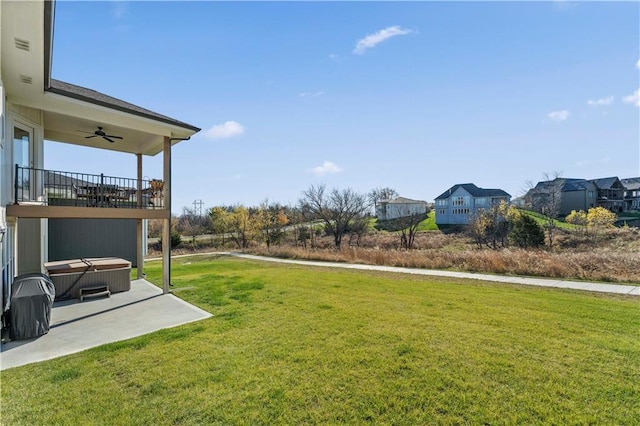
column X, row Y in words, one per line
column 197, row 207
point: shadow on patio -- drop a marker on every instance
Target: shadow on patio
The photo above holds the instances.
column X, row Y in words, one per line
column 76, row 326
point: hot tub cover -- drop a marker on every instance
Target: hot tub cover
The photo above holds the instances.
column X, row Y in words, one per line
column 85, row 264
column 30, row 306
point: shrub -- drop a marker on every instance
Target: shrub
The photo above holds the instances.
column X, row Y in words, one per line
column 176, row 239
column 525, row 232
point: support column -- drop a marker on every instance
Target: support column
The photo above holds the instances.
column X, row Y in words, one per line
column 139, row 230
column 166, row 225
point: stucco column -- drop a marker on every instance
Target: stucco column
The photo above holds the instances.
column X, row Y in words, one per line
column 139, row 230
column 166, row 226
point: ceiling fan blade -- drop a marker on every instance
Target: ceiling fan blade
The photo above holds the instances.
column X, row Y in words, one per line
column 110, row 140
column 114, row 137
column 89, row 137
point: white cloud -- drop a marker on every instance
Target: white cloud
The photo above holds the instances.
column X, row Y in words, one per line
column 373, row 39
column 326, row 168
column 310, row 94
column 558, row 116
column 638, row 64
column 600, row 102
column 633, row 98
column 333, row 57
column 228, row 129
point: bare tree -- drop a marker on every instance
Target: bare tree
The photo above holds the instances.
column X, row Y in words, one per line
column 378, row 194
column 337, row 210
column 409, row 228
column 358, row 228
column 546, row 199
column 192, row 224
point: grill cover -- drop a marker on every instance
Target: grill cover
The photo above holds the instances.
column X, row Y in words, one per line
column 30, row 306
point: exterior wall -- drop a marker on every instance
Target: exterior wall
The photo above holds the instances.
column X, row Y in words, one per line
column 29, row 247
column 632, row 199
column 578, row 200
column 574, row 200
column 455, row 210
column 78, row 238
column 387, row 211
column 461, row 206
column 30, row 236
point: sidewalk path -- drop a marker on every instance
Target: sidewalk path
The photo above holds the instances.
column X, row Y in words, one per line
column 632, row 290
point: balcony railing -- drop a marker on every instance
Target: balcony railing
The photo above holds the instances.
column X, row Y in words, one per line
column 57, row 188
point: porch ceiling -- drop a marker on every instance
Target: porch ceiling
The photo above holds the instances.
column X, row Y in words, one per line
column 74, row 129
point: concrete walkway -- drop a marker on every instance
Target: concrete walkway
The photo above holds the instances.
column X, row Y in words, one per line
column 632, row 290
column 76, row 326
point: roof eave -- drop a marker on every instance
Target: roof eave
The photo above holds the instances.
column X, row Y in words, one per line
column 93, row 101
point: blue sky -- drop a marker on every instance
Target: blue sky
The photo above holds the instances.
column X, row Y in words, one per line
column 417, row 96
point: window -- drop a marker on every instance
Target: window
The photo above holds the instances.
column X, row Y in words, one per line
column 461, row 211
column 461, row 201
column 590, row 194
column 441, row 202
column 23, row 157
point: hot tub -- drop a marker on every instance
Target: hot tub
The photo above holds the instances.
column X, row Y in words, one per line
column 70, row 277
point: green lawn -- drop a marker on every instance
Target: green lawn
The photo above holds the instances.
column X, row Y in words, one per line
column 542, row 220
column 296, row 345
column 429, row 224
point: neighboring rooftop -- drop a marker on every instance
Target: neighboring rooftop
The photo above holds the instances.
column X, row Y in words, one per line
column 632, row 184
column 403, row 200
column 474, row 191
column 605, row 183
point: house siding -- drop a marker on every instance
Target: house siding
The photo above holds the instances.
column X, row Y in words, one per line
column 388, row 211
column 78, row 238
column 459, row 207
column 29, row 253
column 457, row 218
column 578, row 200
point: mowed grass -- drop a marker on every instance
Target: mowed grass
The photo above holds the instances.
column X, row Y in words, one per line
column 297, row 345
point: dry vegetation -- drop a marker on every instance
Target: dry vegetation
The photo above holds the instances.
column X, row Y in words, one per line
column 611, row 256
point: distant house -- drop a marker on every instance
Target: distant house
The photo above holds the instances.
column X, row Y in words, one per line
column 459, row 203
column 560, row 196
column 631, row 193
column 400, row 207
column 610, row 193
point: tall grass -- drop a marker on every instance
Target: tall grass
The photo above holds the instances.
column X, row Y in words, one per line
column 609, row 265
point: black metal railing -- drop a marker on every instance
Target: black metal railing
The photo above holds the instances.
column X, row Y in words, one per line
column 57, row 188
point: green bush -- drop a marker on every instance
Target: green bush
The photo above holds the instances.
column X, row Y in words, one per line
column 526, row 232
column 176, row 239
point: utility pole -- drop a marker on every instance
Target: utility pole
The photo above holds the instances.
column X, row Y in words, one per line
column 197, row 207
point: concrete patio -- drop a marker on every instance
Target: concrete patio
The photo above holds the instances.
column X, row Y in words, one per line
column 76, row 326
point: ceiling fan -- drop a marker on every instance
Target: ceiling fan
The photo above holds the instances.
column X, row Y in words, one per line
column 103, row 135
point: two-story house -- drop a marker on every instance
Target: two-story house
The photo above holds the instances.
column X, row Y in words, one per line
column 558, row 197
column 458, row 204
column 400, row 207
column 610, row 193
